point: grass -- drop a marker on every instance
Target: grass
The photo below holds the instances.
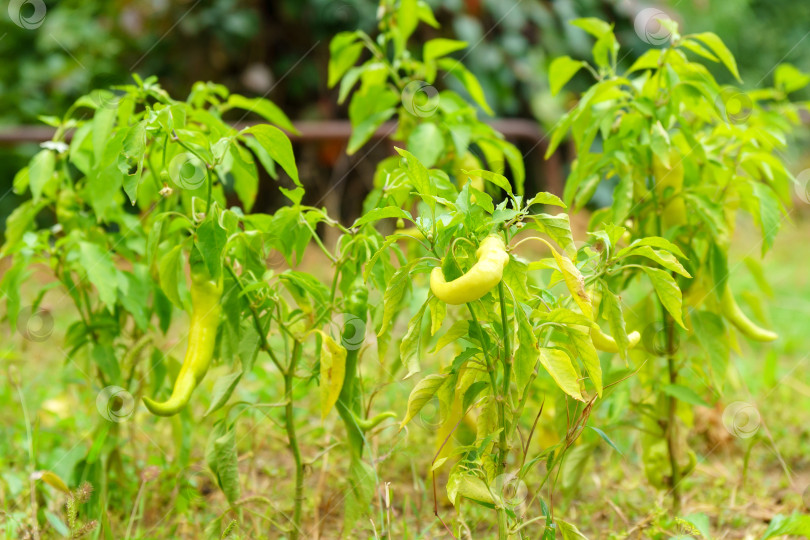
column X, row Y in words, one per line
column 158, row 484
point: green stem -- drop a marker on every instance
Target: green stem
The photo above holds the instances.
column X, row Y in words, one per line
column 672, row 426
column 507, row 374
column 289, row 377
column 210, row 188
column 502, row 526
column 671, row 431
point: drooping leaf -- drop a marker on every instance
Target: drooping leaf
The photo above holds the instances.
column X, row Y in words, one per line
column 422, row 393
column 333, row 372
column 668, row 292
column 558, row 365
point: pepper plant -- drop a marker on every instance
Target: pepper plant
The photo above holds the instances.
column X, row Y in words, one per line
column 685, row 155
column 440, row 128
column 143, row 185
column 516, row 333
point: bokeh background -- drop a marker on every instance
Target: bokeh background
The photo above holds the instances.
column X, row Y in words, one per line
column 54, row 52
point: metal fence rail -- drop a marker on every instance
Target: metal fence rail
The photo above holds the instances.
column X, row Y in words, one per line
column 518, row 130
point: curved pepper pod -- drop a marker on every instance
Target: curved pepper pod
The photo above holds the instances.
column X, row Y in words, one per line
column 202, row 336
column 605, row 343
column 746, row 326
column 485, row 274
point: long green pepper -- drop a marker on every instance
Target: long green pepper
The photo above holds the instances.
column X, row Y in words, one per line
column 349, row 405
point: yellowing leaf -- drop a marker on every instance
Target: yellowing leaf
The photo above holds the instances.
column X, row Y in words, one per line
column 333, row 371
column 421, row 394
column 558, row 365
column 575, row 283
column 52, row 479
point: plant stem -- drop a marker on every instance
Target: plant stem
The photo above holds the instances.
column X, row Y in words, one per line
column 210, row 187
column 503, row 449
column 672, row 426
column 289, row 377
column 671, row 431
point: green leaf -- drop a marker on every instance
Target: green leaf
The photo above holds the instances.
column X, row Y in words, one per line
column 527, row 351
column 498, row 179
column 264, row 108
column 100, row 270
column 711, row 335
column 654, row 241
column 394, row 293
column 469, row 81
column 470, row 487
column 245, row 175
column 438, row 310
column 409, row 347
column 581, row 346
column 558, row 365
column 370, row 107
column 789, row 79
column 407, row 20
column 276, row 143
column 570, row 531
column 606, row 439
column 612, row 310
column 668, row 292
column 421, row 394
column 472, row 392
column 220, row 454
column 169, row 272
column 794, row 524
column 720, row 50
column 377, row 214
column 648, row 60
column 595, row 27
column 561, row 71
column 40, row 172
column 436, row 48
column 344, row 50
column 558, row 228
column 459, row 329
column 223, row 389
column 547, row 199
column 685, row 394
column 664, row 258
column 768, row 213
column 426, row 143
column 333, row 372
column 419, row 176
column 211, row 239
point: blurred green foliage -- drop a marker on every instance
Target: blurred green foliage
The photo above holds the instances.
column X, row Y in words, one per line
column 56, row 51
